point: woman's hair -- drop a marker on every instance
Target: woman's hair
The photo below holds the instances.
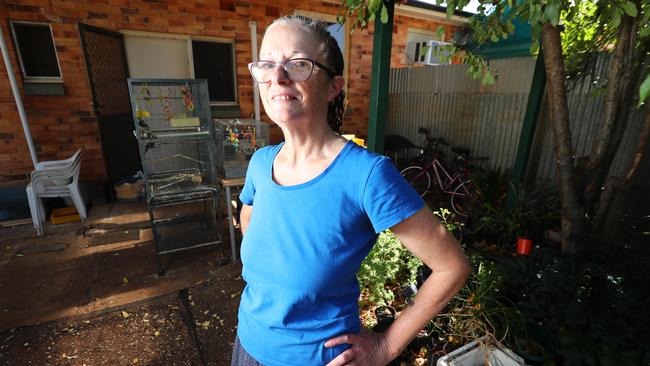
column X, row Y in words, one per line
column 333, row 60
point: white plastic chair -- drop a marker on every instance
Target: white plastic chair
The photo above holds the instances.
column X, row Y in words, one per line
column 59, row 178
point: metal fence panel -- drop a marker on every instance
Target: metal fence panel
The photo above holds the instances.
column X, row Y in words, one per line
column 488, row 119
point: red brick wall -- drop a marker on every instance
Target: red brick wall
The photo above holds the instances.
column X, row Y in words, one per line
column 59, row 124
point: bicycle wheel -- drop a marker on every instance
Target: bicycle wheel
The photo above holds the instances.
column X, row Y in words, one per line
column 418, row 178
column 461, row 197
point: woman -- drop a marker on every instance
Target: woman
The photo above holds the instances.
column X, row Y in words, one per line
column 313, row 207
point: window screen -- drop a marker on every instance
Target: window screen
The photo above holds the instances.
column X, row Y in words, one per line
column 214, row 61
column 35, row 48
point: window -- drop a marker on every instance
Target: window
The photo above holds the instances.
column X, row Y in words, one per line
column 425, row 47
column 36, row 53
column 338, row 32
column 165, row 56
column 214, row 61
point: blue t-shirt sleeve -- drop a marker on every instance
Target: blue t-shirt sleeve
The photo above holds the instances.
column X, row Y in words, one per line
column 247, row 193
column 388, row 199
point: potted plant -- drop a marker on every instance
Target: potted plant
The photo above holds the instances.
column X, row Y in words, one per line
column 476, row 321
column 524, row 245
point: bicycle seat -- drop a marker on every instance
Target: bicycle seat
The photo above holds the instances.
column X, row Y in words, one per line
column 460, row 150
column 397, row 142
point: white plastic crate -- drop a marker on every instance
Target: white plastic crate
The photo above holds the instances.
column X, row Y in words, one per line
column 478, row 353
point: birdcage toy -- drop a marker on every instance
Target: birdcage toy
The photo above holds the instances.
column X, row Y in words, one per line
column 239, row 139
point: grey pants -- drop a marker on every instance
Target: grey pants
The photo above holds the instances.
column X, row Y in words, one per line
column 240, row 357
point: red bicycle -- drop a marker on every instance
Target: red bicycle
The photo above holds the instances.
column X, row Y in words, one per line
column 430, row 170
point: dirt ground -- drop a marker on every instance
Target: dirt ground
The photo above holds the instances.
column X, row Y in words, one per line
column 193, row 327
column 65, row 300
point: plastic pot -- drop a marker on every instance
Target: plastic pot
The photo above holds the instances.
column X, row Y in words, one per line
column 524, row 246
column 385, row 317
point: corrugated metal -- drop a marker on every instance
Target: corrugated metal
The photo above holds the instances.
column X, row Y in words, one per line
column 585, row 99
column 444, row 99
column 488, row 119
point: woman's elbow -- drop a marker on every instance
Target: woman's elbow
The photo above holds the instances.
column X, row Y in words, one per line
column 465, row 268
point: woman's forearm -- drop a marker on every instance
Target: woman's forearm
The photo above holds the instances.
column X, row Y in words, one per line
column 430, row 299
column 429, row 240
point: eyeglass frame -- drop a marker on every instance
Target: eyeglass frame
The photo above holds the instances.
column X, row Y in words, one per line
column 314, row 62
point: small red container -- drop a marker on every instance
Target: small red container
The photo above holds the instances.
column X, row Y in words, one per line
column 524, row 246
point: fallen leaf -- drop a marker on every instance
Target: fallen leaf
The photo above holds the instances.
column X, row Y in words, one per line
column 205, row 324
column 156, row 333
column 125, row 314
column 135, row 360
column 125, row 280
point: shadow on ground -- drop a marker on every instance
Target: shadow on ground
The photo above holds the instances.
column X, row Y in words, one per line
column 64, row 301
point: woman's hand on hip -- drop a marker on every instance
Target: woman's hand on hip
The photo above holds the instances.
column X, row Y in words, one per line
column 367, row 349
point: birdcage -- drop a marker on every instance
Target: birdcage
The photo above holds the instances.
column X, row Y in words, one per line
column 172, row 125
column 174, row 131
column 237, row 140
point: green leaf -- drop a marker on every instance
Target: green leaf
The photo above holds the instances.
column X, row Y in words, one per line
column 644, row 90
column 630, row 9
column 616, row 19
column 552, row 13
column 488, row 78
column 450, row 11
column 644, row 32
column 494, row 38
column 384, row 14
column 440, row 31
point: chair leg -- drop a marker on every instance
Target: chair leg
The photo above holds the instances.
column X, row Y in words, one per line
column 35, row 210
column 78, row 203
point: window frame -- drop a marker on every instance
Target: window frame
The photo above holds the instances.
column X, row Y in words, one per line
column 35, row 79
column 231, row 42
column 190, row 55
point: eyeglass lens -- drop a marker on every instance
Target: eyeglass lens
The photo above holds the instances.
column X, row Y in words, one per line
column 296, row 70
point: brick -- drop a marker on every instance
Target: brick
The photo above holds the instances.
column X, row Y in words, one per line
column 96, row 15
column 227, row 5
column 272, row 11
column 26, row 8
column 129, row 11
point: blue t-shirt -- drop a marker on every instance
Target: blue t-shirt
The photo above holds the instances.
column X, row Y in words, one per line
column 302, row 250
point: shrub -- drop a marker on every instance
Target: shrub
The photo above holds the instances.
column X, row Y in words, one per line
column 388, row 268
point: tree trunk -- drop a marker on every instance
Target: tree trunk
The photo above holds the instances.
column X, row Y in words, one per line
column 572, row 210
column 613, row 186
column 618, row 102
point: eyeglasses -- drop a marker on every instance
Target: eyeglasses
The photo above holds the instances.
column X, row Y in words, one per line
column 296, row 69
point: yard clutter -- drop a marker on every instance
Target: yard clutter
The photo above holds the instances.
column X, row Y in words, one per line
column 477, row 352
column 132, row 190
column 64, row 215
column 58, row 178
